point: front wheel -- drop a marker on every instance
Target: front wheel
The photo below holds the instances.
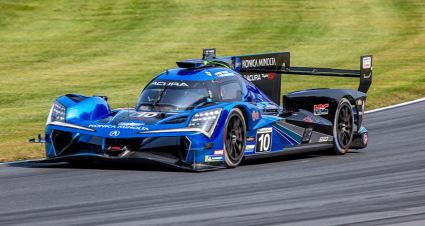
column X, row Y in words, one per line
column 234, row 138
column 343, row 128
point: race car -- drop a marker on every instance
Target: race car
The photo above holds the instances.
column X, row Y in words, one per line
column 212, row 113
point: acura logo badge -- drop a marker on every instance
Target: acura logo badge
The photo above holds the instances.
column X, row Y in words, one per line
column 114, row 133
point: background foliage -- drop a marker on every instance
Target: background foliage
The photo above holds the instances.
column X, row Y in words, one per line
column 50, row 48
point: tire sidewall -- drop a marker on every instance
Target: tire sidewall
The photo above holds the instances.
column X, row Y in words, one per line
column 229, row 162
column 337, row 147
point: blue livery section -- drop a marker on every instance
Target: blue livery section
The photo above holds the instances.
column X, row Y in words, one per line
column 204, row 115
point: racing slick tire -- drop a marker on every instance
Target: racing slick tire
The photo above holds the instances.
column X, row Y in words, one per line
column 234, row 138
column 343, row 128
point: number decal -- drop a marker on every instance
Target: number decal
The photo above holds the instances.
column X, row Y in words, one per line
column 264, row 140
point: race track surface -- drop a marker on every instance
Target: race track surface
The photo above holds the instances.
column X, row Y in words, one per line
column 383, row 184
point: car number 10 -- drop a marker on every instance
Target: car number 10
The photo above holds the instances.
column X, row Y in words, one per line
column 264, row 140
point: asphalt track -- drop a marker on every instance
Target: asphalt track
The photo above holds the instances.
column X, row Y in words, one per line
column 383, row 184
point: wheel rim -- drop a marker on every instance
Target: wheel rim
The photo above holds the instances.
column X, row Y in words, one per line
column 345, row 126
column 234, row 138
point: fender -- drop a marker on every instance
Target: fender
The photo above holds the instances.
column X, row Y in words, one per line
column 324, row 102
column 85, row 108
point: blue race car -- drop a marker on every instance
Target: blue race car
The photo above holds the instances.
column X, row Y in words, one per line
column 212, row 113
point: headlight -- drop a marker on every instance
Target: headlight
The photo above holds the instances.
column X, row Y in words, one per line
column 206, row 120
column 203, row 122
column 57, row 113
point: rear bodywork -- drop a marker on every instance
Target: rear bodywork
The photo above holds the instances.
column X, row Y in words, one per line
column 81, row 128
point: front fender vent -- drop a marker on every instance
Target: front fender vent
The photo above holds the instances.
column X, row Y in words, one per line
column 179, row 120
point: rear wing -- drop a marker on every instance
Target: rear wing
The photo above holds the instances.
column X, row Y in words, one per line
column 263, row 70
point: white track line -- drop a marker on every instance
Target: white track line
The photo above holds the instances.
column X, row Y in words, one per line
column 396, row 105
column 371, row 111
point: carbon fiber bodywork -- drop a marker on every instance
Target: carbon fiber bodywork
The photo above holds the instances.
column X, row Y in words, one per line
column 81, row 128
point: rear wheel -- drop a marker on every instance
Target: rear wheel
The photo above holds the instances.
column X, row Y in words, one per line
column 343, row 128
column 234, row 138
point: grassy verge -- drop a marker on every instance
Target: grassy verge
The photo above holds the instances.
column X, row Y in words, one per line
column 49, row 48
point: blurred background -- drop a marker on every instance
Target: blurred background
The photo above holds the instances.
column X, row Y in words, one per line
column 113, row 48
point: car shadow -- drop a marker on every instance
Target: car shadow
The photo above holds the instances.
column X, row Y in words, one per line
column 282, row 158
column 99, row 166
column 166, row 168
column 291, row 157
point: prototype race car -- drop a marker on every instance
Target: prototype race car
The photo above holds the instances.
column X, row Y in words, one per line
column 212, row 113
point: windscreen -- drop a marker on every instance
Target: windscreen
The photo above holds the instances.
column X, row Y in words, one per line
column 166, row 95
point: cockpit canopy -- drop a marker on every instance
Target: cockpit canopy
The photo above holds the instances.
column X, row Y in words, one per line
column 172, row 95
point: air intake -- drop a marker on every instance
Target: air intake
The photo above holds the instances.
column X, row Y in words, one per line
column 190, row 64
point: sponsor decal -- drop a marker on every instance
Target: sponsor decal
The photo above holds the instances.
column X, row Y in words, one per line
column 365, row 138
column 116, row 127
column 308, row 119
column 238, row 64
column 252, row 77
column 138, row 119
column 250, row 139
column 143, row 114
column 265, row 130
column 249, row 151
column 169, row 84
column 224, row 74
column 367, row 62
column 321, row 109
column 218, row 152
column 257, row 77
column 212, row 158
column 255, row 115
column 264, row 140
column 208, row 73
column 114, row 133
column 359, row 102
column 250, row 147
column 323, row 139
column 259, row 62
column 271, row 76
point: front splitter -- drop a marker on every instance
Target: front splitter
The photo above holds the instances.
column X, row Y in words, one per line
column 140, row 159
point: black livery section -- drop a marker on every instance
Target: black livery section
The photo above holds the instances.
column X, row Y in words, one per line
column 264, row 71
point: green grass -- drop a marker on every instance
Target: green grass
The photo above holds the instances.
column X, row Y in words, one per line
column 49, row 48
